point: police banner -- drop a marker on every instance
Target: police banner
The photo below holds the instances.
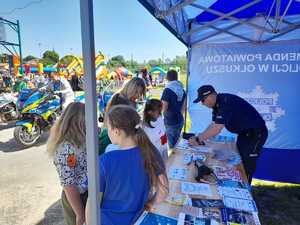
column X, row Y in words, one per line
column 266, row 75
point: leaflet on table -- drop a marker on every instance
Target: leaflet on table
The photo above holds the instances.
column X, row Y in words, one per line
column 233, row 216
column 203, row 208
column 233, row 184
column 240, row 204
column 185, row 219
column 227, row 173
column 178, row 173
column 193, row 211
column 189, row 157
column 177, row 199
column 210, row 213
column 196, row 189
column 184, row 145
column 148, row 218
column 228, row 156
column 235, row 192
column 207, row 203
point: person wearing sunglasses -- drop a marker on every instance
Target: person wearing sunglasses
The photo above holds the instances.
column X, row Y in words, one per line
column 237, row 116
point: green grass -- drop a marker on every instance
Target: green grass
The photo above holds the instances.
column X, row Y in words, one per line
column 278, row 203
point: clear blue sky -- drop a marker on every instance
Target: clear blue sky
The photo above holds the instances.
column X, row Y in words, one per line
column 121, row 27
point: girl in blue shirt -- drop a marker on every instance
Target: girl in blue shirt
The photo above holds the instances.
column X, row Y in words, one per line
column 133, row 177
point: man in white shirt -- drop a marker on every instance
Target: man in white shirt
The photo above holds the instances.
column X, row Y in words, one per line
column 61, row 85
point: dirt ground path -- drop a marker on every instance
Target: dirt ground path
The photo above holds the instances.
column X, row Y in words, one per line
column 29, row 186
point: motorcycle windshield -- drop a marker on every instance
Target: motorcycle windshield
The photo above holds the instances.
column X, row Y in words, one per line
column 32, row 99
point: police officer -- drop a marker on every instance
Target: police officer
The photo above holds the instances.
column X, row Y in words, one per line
column 237, row 116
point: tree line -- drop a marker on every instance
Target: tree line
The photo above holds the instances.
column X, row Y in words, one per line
column 51, row 58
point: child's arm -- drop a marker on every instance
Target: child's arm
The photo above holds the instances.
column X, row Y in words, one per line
column 165, row 106
column 162, row 189
column 161, row 194
column 73, row 197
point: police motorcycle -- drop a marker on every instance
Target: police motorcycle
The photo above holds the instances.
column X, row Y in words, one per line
column 7, row 107
column 37, row 111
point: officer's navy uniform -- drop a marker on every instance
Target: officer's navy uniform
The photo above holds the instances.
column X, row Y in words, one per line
column 241, row 118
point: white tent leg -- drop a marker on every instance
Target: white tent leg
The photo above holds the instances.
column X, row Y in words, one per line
column 88, row 50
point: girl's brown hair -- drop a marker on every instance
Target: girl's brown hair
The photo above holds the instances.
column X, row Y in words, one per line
column 70, row 127
column 151, row 105
column 117, row 99
column 127, row 119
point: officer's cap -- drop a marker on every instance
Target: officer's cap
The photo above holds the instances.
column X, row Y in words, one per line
column 204, row 91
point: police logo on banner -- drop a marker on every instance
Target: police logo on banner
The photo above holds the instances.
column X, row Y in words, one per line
column 265, row 104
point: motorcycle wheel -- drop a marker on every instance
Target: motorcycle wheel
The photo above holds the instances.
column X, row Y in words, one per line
column 25, row 138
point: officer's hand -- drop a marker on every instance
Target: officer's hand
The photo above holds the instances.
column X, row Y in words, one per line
column 193, row 140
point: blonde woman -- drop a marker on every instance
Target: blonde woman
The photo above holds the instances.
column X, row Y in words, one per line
column 133, row 90
column 66, row 145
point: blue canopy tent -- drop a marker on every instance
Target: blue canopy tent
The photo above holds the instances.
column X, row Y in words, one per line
column 157, row 69
column 250, row 48
column 195, row 22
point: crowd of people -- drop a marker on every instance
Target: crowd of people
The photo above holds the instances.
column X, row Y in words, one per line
column 60, row 85
column 132, row 153
column 18, row 82
column 134, row 147
column 139, row 141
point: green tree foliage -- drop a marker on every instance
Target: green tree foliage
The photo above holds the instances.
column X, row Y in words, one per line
column 117, row 61
column 3, row 58
column 180, row 61
column 28, row 58
column 66, row 60
column 168, row 61
column 50, row 58
column 132, row 65
column 154, row 62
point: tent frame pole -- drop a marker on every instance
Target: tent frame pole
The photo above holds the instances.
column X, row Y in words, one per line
column 226, row 31
column 226, row 16
column 212, row 34
column 88, row 51
column 288, row 29
column 284, row 13
column 231, row 18
column 174, row 18
column 161, row 14
column 188, row 55
column 277, row 13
